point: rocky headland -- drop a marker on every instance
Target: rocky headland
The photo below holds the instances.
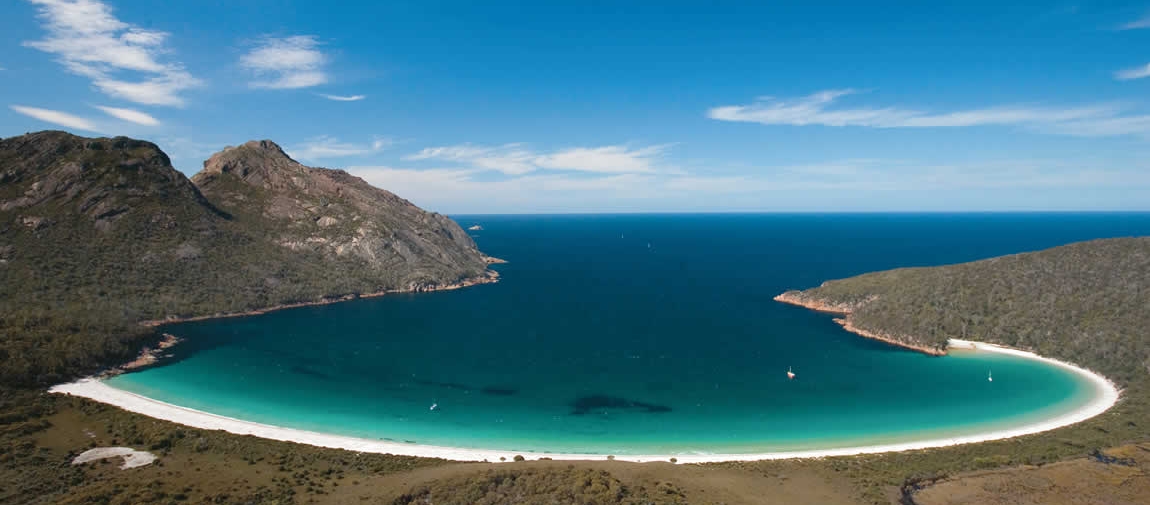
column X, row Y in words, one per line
column 846, row 309
column 100, row 234
column 1083, row 303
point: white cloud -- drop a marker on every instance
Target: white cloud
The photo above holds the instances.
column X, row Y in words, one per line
column 331, row 147
column 130, row 115
column 509, row 158
column 445, row 188
column 1103, row 127
column 818, row 109
column 286, row 63
column 1136, row 24
column 55, row 117
column 515, row 159
column 343, row 98
column 608, row 159
column 1133, row 73
column 121, row 59
column 469, row 190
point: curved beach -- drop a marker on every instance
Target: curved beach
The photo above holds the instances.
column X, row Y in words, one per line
column 1105, row 395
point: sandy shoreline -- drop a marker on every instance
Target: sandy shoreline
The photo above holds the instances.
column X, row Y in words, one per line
column 1105, row 396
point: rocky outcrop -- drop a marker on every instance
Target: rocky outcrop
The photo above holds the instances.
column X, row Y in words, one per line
column 109, row 222
column 822, row 305
column 808, row 301
column 53, row 177
column 338, row 216
column 149, row 355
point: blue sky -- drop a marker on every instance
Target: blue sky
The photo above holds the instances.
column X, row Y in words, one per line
column 493, row 107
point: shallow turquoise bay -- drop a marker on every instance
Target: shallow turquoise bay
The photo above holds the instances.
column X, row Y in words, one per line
column 631, row 335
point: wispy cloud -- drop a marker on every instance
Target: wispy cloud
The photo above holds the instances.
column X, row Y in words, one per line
column 55, row 117
column 517, row 159
column 906, row 175
column 121, row 59
column 509, row 158
column 330, row 147
column 819, row 109
column 343, row 98
column 286, row 63
column 1133, row 73
column 130, row 115
column 445, row 188
column 607, row 159
column 1137, row 24
column 468, row 189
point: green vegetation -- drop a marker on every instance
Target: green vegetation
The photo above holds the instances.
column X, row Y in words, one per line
column 97, row 235
column 39, row 433
column 542, row 487
column 1087, row 303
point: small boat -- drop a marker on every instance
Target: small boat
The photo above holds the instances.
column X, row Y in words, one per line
column 989, row 377
column 434, row 406
column 790, row 374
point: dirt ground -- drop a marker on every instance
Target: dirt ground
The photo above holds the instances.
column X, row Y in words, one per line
column 185, row 475
column 213, row 467
column 1118, row 476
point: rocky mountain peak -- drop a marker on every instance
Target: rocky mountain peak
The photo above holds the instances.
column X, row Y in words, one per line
column 265, row 145
column 254, row 229
column 331, row 212
column 258, row 162
column 51, row 176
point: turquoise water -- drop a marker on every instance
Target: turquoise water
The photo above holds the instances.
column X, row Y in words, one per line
column 634, row 334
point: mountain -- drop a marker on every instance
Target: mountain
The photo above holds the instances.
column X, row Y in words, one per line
column 98, row 234
column 1087, row 303
column 338, row 216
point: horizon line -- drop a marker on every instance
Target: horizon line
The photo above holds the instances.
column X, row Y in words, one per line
column 795, row 212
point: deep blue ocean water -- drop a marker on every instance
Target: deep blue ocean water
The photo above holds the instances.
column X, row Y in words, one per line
column 626, row 334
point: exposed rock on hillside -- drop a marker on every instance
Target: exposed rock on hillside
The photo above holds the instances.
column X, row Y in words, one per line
column 97, row 234
column 54, row 178
column 337, row 215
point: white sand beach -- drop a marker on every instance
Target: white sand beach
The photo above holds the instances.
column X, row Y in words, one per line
column 1105, row 396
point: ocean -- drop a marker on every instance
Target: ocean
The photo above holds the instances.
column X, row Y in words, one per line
column 635, row 334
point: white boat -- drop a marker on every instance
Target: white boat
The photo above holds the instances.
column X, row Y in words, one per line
column 434, row 406
column 989, row 377
column 790, row 374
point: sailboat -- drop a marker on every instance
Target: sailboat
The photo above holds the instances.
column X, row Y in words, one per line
column 790, row 374
column 989, row 376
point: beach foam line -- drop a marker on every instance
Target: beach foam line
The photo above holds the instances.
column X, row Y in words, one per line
column 1105, row 396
